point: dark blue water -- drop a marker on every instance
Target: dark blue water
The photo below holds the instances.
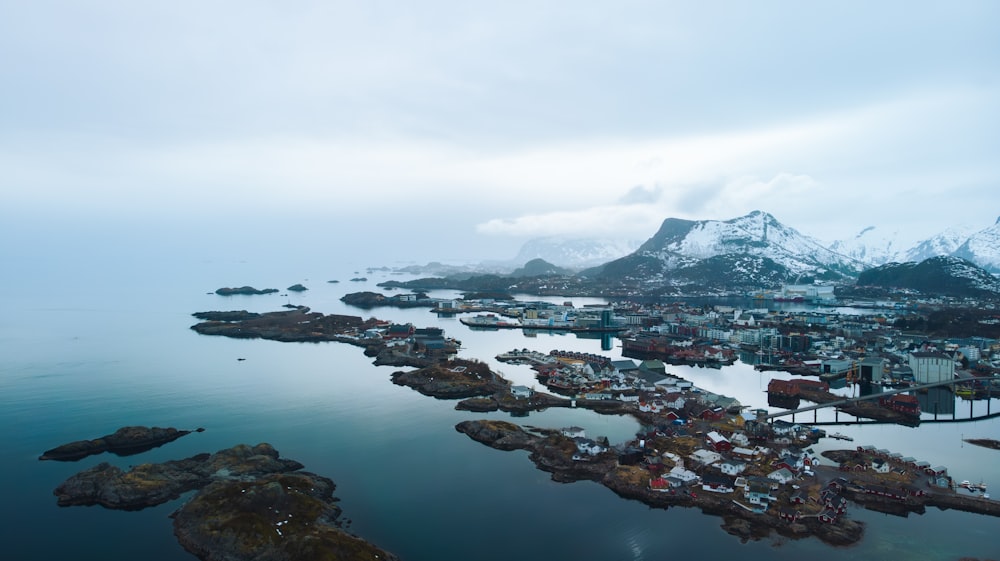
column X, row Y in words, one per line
column 93, row 349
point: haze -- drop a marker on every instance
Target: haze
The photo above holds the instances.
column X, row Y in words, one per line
column 394, row 131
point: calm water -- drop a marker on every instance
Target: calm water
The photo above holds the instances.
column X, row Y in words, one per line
column 87, row 353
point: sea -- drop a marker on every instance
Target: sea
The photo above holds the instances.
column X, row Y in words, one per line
column 92, row 347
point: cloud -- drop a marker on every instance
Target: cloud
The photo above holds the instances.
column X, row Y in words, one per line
column 610, row 222
column 640, row 194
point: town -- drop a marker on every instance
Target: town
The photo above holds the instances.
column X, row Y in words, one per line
column 695, row 447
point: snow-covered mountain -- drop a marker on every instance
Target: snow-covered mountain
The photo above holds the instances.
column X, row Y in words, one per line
column 875, row 247
column 679, row 242
column 574, row 253
column 945, row 243
column 983, row 248
column 945, row 275
column 746, row 253
column 871, row 246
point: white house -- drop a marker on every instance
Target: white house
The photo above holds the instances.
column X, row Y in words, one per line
column 705, row 457
column 675, row 401
column 588, row 446
column 685, row 475
column 782, row 475
column 732, row 467
column 748, row 453
column 521, row 392
column 739, row 439
column 654, row 406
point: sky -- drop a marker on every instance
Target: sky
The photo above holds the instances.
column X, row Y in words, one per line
column 458, row 130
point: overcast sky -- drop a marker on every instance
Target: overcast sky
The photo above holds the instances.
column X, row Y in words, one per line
column 472, row 126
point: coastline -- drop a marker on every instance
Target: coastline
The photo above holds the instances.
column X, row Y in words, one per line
column 739, row 520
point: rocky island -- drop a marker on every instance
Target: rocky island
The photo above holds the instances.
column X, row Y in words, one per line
column 250, row 504
column 453, row 379
column 985, row 442
column 125, row 441
column 297, row 324
column 368, row 299
column 244, row 290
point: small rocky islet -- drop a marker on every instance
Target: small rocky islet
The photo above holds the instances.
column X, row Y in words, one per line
column 249, row 503
column 125, row 441
column 990, row 443
column 243, row 290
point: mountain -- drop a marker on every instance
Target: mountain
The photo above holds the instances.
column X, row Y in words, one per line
column 983, row 248
column 872, row 246
column 876, row 247
column 943, row 275
column 751, row 251
column 945, row 243
column 539, row 267
column 758, row 234
column 574, row 253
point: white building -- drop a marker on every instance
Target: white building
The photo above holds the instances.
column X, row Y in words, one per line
column 931, row 367
column 705, row 457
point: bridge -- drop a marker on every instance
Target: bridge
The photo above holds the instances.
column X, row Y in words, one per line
column 860, row 421
column 848, row 401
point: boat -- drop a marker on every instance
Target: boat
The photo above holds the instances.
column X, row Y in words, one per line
column 840, row 436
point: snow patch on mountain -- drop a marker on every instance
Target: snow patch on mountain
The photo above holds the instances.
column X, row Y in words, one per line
column 576, row 253
column 872, row 246
column 983, row 248
column 758, row 234
column 945, row 243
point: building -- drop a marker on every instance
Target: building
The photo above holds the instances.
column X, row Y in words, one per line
column 871, row 369
column 931, row 367
column 521, row 392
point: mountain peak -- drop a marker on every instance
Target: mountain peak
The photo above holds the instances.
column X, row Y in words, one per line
column 757, row 233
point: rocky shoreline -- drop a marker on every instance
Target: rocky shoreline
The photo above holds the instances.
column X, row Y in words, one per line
column 250, row 504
